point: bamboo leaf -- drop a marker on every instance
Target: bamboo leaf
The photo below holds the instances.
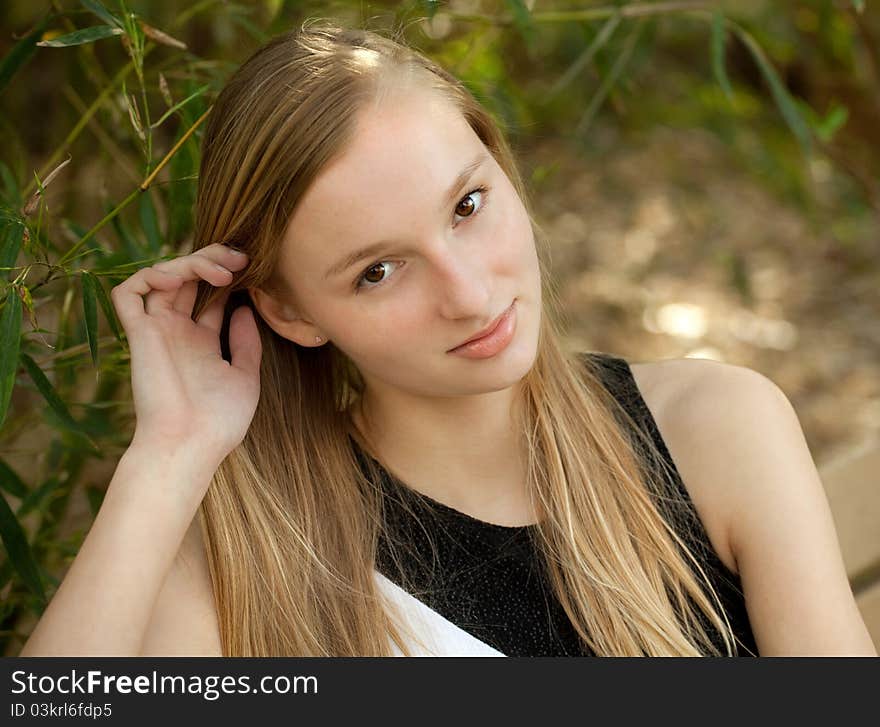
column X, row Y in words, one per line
column 134, row 116
column 522, row 19
column 11, row 482
column 719, row 35
column 105, row 303
column 826, row 128
column 81, row 37
column 28, row 303
column 20, row 554
column 132, row 247
column 10, row 335
column 150, row 223
column 37, row 497
column 90, row 314
column 602, row 37
column 95, row 7
column 11, row 191
column 32, row 204
column 48, row 391
column 184, row 169
column 10, row 243
column 198, row 92
column 610, row 79
column 784, row 101
column 21, row 53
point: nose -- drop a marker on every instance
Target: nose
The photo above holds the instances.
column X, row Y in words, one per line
column 463, row 284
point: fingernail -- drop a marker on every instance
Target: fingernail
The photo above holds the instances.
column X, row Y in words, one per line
column 235, row 252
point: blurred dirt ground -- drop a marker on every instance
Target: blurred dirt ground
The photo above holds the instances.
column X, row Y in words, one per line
column 665, row 248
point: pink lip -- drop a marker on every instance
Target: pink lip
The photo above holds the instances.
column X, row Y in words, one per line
column 494, row 340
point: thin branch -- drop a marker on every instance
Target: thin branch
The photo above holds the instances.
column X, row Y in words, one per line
column 180, row 142
column 634, row 10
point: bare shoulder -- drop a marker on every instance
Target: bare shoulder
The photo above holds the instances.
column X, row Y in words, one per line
column 184, row 619
column 742, row 454
column 688, row 398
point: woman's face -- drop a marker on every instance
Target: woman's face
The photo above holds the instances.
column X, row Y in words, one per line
column 444, row 260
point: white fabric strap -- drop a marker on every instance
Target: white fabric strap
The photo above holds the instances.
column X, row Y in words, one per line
column 441, row 636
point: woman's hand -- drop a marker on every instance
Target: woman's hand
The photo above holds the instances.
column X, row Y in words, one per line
column 186, row 395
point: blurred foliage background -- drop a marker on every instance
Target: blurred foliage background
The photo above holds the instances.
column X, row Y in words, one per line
column 707, row 172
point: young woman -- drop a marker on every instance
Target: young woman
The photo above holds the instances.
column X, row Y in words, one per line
column 322, row 466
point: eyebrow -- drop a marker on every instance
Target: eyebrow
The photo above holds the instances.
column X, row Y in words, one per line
column 364, row 252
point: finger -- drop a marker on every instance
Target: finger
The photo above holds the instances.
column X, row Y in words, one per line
column 223, row 255
column 128, row 298
column 217, row 253
column 196, row 267
column 212, row 315
column 245, row 346
column 186, row 297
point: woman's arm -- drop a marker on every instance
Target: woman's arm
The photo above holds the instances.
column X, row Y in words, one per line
column 184, row 621
column 753, row 455
column 105, row 602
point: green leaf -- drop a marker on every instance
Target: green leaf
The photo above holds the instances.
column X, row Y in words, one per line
column 184, row 169
column 10, row 243
column 610, row 79
column 21, row 53
column 10, row 335
column 38, row 496
column 11, row 190
column 834, row 120
column 106, row 305
column 81, row 37
column 20, row 554
column 48, row 391
column 522, row 19
column 11, row 482
column 601, row 38
column 150, row 223
column 719, row 35
column 95, row 7
column 198, row 92
column 90, row 314
column 784, row 101
column 132, row 247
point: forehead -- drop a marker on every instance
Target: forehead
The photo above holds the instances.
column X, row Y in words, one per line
column 404, row 154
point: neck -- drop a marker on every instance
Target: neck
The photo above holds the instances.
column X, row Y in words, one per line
column 465, row 452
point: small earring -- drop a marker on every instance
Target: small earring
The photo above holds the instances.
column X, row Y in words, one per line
column 318, row 339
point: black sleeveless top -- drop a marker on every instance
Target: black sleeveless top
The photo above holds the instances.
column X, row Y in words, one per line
column 487, row 578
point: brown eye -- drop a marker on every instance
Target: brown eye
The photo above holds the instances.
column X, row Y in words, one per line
column 377, row 266
column 467, row 208
column 468, row 204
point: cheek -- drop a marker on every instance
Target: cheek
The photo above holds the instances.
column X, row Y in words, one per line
column 378, row 329
column 516, row 249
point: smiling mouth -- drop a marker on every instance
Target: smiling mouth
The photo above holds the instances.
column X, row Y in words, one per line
column 486, row 332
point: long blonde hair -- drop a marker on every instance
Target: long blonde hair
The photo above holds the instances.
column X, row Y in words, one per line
column 290, row 522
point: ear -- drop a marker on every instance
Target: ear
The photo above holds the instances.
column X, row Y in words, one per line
column 284, row 319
